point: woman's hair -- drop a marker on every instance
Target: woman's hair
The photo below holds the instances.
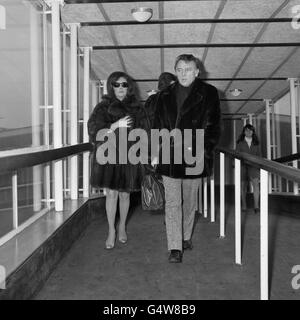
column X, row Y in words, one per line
column 254, row 136
column 131, row 91
column 165, row 80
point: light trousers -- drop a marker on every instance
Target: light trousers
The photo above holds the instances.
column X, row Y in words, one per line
column 180, row 207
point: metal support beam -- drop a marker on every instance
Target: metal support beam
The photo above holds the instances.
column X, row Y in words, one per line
column 57, row 114
column 35, row 104
column 73, row 109
column 86, row 113
column 293, row 126
column 199, row 45
column 183, row 21
column 268, row 135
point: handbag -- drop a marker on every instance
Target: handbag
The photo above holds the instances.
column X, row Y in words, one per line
column 152, row 192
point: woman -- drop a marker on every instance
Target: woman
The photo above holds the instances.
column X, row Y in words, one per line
column 118, row 109
column 248, row 142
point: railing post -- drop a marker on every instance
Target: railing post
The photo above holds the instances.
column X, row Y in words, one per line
column 237, row 181
column 205, row 197
column 293, row 126
column 200, row 197
column 15, row 200
column 57, row 126
column 86, row 111
column 222, row 195
column 73, row 109
column 268, row 137
column 264, row 279
column 234, row 134
column 212, row 198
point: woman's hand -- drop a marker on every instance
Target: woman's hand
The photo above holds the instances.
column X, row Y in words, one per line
column 122, row 123
column 154, row 161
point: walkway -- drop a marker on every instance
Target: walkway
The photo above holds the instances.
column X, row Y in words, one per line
column 140, row 270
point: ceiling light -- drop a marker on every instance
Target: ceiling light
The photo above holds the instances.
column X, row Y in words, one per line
column 235, row 92
column 142, row 14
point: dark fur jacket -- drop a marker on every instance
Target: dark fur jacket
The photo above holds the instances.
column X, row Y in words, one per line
column 200, row 110
column 110, row 110
column 124, row 177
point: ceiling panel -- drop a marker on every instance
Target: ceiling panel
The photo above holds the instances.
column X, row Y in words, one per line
column 104, row 62
column 247, row 9
column 190, row 9
column 219, row 62
column 291, row 67
column 222, row 62
column 95, row 36
column 280, row 32
column 252, row 107
column 140, row 35
column 236, row 32
column 186, row 33
column 263, row 61
column 81, row 13
column 142, row 64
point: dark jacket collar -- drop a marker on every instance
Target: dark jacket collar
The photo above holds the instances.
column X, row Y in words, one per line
column 195, row 97
column 119, row 108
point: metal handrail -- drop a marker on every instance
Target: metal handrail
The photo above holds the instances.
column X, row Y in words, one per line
column 265, row 166
column 262, row 163
column 292, row 157
column 15, row 162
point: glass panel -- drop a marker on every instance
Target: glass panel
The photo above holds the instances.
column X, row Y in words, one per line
column 30, row 192
column 6, row 211
column 20, row 81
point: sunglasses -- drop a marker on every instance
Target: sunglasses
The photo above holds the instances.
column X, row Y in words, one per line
column 118, row 84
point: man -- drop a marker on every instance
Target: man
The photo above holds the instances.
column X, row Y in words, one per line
column 188, row 103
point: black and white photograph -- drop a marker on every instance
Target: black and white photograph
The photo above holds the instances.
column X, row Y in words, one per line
column 149, row 154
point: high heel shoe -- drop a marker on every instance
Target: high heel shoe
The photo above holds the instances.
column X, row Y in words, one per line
column 109, row 245
column 123, row 239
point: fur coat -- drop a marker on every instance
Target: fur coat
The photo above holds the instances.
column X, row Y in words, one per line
column 121, row 177
column 200, row 110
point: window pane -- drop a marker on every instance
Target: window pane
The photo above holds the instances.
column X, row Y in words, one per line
column 6, row 212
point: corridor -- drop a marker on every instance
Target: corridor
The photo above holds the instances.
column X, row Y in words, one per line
column 140, row 268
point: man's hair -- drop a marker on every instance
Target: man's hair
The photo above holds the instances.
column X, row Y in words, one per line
column 188, row 58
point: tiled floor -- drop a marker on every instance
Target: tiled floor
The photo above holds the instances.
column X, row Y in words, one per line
column 140, row 269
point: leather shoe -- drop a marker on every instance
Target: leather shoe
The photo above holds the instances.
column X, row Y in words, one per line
column 187, row 244
column 175, row 256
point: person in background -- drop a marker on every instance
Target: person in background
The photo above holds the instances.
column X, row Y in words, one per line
column 119, row 109
column 248, row 142
column 165, row 79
